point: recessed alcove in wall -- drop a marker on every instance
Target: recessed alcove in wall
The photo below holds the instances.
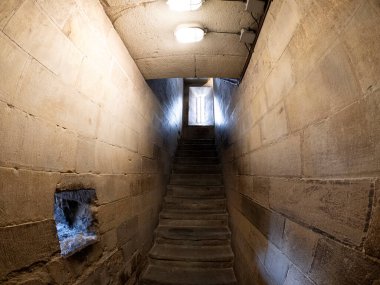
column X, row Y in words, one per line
column 74, row 219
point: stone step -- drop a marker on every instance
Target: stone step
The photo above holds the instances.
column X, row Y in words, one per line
column 218, row 253
column 164, row 275
column 193, row 233
column 192, row 211
column 211, row 242
column 198, row 201
column 199, row 179
column 196, row 141
column 189, row 264
column 197, row 168
column 187, row 146
column 194, row 204
column 196, row 160
column 193, row 222
column 199, row 215
column 196, row 153
column 201, row 192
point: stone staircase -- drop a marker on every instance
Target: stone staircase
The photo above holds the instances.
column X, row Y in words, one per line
column 192, row 240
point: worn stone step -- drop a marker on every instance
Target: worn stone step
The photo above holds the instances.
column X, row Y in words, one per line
column 193, row 222
column 218, row 253
column 196, row 160
column 196, row 141
column 197, row 153
column 194, row 211
column 197, row 168
column 164, row 275
column 199, row 179
column 193, row 233
column 199, row 215
column 211, row 242
column 201, row 192
column 187, row 146
column 194, row 204
column 191, row 264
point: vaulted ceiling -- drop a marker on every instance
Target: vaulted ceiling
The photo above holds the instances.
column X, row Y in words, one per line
column 147, row 29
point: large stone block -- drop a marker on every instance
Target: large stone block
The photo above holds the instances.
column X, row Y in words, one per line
column 114, row 132
column 26, row 244
column 126, row 231
column 274, row 125
column 113, row 214
column 82, row 34
column 116, row 160
column 85, row 157
column 125, row 161
column 146, row 144
column 7, row 9
column 258, row 106
column 280, row 80
column 103, row 157
column 29, row 25
column 244, row 274
column 269, row 223
column 115, row 187
column 260, row 66
column 276, row 264
column 337, row 264
column 248, row 268
column 286, row 21
column 30, row 142
column 360, row 37
column 12, row 63
column 252, row 139
column 71, row 181
column 59, row 11
column 328, row 88
column 245, row 185
column 280, row 159
column 33, row 190
column 296, row 277
column 345, row 144
column 372, row 242
column 299, row 245
column 241, row 227
column 97, row 17
column 260, row 193
column 91, row 81
column 323, row 17
column 44, row 95
column 150, row 165
column 122, row 56
column 337, row 207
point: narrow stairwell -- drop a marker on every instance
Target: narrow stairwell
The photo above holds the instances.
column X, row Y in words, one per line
column 192, row 241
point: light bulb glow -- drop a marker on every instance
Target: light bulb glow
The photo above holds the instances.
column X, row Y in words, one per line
column 189, row 34
column 184, row 5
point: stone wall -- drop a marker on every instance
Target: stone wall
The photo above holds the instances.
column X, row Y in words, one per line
column 75, row 112
column 301, row 151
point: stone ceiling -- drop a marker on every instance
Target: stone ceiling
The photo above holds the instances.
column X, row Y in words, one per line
column 147, row 29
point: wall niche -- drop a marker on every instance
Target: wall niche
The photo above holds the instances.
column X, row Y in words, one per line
column 74, row 219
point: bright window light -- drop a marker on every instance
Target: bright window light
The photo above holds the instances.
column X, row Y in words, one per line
column 189, row 34
column 201, row 106
column 184, row 5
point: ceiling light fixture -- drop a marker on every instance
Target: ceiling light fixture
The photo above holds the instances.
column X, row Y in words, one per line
column 184, row 5
column 189, row 33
